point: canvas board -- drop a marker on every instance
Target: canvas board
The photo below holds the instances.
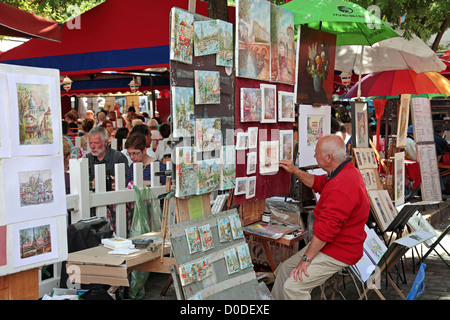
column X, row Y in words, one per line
column 313, row 124
column 251, row 104
column 207, row 87
column 5, row 146
column 269, row 157
column 186, row 171
column 286, row 106
column 269, row 103
column 181, row 36
column 225, row 56
column 360, row 125
column 403, row 120
column 208, row 175
column 228, row 171
column 206, row 37
column 182, row 112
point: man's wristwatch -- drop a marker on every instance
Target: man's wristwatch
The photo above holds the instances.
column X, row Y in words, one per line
column 306, row 259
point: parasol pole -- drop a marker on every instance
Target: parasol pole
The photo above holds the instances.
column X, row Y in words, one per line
column 360, row 71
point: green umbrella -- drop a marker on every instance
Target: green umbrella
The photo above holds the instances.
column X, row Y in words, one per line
column 352, row 24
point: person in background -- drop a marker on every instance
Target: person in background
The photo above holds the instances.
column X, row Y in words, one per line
column 163, row 147
column 121, row 134
column 142, row 128
column 410, row 148
column 101, row 116
column 439, row 140
column 156, row 135
column 344, row 135
column 71, row 118
column 108, row 125
column 90, row 115
column 136, row 146
column 86, row 126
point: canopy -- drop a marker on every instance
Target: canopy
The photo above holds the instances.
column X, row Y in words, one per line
column 113, row 36
column 18, row 23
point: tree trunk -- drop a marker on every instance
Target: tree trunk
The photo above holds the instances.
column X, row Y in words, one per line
column 217, row 9
column 444, row 27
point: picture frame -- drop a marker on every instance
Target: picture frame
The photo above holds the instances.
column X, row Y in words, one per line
column 360, row 124
column 313, row 124
column 252, row 137
column 269, row 157
column 286, row 106
column 251, row 187
column 241, row 140
column 403, row 120
column 181, row 51
column 241, row 186
column 269, row 103
column 287, row 144
column 380, row 213
column 399, row 178
column 251, row 162
column 251, row 104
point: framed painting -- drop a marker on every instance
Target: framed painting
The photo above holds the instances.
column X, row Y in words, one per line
column 313, row 124
column 181, row 36
column 228, row 171
column 283, row 51
column 207, row 87
column 286, row 106
column 208, row 175
column 360, row 124
column 34, row 106
column 269, row 103
column 35, row 241
column 287, row 144
column 225, row 56
column 252, row 137
column 399, row 178
column 183, row 112
column 35, row 189
column 206, row 37
column 380, row 213
column 268, row 157
column 403, row 120
column 388, row 204
column 186, row 171
column 253, row 43
column 251, row 187
column 241, row 140
column 208, row 134
column 251, row 105
column 5, row 147
column 241, row 186
column 251, row 162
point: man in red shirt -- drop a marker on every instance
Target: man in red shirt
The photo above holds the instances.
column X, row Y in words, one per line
column 339, row 219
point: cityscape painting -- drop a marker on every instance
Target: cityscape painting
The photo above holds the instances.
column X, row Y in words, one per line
column 181, row 36
column 35, row 187
column 207, row 87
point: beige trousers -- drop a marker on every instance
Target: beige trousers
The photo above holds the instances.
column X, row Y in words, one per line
column 321, row 268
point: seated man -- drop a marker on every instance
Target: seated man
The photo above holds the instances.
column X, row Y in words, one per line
column 100, row 153
column 339, row 219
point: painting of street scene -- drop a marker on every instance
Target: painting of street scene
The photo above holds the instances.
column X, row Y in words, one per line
column 208, row 135
column 207, row 87
column 35, row 187
column 225, row 56
column 206, row 237
column 268, row 157
column 35, row 115
column 228, row 172
column 208, row 175
column 193, row 239
column 251, row 104
column 186, row 172
column 206, row 37
column 35, row 241
column 286, row 144
column 269, row 103
column 314, row 130
column 286, row 106
column 183, row 112
column 204, row 268
column 253, row 37
column 181, row 36
column 188, row 273
column 231, row 260
column 282, row 45
column 244, row 256
column 224, row 228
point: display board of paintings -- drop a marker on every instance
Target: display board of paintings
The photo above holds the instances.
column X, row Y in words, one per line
column 429, row 172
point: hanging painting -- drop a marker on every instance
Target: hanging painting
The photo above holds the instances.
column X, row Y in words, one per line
column 251, row 162
column 253, row 39
column 269, row 103
column 231, row 260
column 207, row 87
column 193, row 240
column 241, row 185
column 208, row 136
column 286, row 106
column 268, row 157
column 228, row 172
column 208, row 175
column 313, row 123
column 206, row 37
column 399, row 178
column 236, row 227
column 241, row 140
column 251, row 105
column 251, row 187
column 225, row 56
column 224, row 229
column 206, row 237
column 360, row 125
column 287, row 144
column 182, row 112
column 35, row 117
column 186, row 171
column 252, row 137
column 315, row 68
column 282, row 45
column 181, row 36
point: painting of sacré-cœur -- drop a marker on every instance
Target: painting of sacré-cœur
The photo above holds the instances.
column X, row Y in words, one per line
column 35, row 187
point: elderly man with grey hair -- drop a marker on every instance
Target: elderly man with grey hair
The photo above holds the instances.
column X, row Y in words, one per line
column 101, row 153
column 338, row 228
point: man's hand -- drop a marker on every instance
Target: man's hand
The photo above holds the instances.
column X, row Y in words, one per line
column 287, row 165
column 299, row 269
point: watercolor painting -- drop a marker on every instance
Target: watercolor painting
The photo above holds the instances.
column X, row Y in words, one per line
column 224, row 228
column 204, row 268
column 253, row 39
column 236, row 227
column 35, row 241
column 206, row 37
column 245, row 259
column 251, row 187
column 35, row 187
column 286, row 106
column 269, row 103
column 251, row 162
column 208, row 175
column 183, row 112
column 206, row 237
column 242, row 140
column 186, row 171
column 231, row 260
column 241, row 185
column 268, row 157
column 315, row 130
column 207, row 87
column 208, row 136
column 360, row 126
column 193, row 239
column 225, row 56
column 252, row 137
column 181, row 36
column 282, row 37
column 287, row 144
column 251, row 104
column 188, row 273
column 228, row 172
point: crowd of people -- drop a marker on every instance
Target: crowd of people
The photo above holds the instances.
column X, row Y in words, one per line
column 103, row 141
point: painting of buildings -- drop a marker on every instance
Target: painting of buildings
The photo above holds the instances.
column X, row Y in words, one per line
column 181, row 36
column 35, row 241
column 314, row 130
column 208, row 135
column 286, row 106
column 208, row 175
column 287, row 144
column 225, row 56
column 206, row 37
column 35, row 187
column 186, row 172
column 231, row 260
column 268, row 157
column 228, row 172
column 182, row 112
column 251, row 105
column 207, row 87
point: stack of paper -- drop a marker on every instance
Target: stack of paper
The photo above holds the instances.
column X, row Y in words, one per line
column 117, row 243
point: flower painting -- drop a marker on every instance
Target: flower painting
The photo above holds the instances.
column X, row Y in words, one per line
column 182, row 112
column 181, row 36
column 207, row 87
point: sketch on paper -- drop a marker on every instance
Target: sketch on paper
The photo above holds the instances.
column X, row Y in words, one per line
column 208, row 136
column 282, row 45
column 186, row 171
column 269, row 103
column 228, row 172
column 286, row 106
column 231, row 260
column 224, row 228
column 207, row 87
column 251, row 187
column 35, row 241
column 225, row 56
column 251, row 105
column 253, row 39
column 236, row 227
column 287, row 144
column 315, row 130
column 268, row 157
column 241, row 185
column 206, row 237
column 206, row 37
column 245, row 259
column 35, row 187
column 181, row 36
column 182, row 112
column 35, row 120
column 193, row 239
column 208, row 174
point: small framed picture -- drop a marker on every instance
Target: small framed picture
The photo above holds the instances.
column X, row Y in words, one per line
column 242, row 141
column 251, row 162
column 287, row 144
column 251, row 187
column 241, row 186
column 286, row 107
column 269, row 103
column 252, row 137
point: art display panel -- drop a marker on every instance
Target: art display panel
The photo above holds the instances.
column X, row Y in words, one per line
column 181, row 36
column 183, row 112
column 251, row 104
column 35, row 188
column 360, row 125
column 286, row 106
column 269, row 103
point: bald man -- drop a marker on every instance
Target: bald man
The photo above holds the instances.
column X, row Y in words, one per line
column 339, row 219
